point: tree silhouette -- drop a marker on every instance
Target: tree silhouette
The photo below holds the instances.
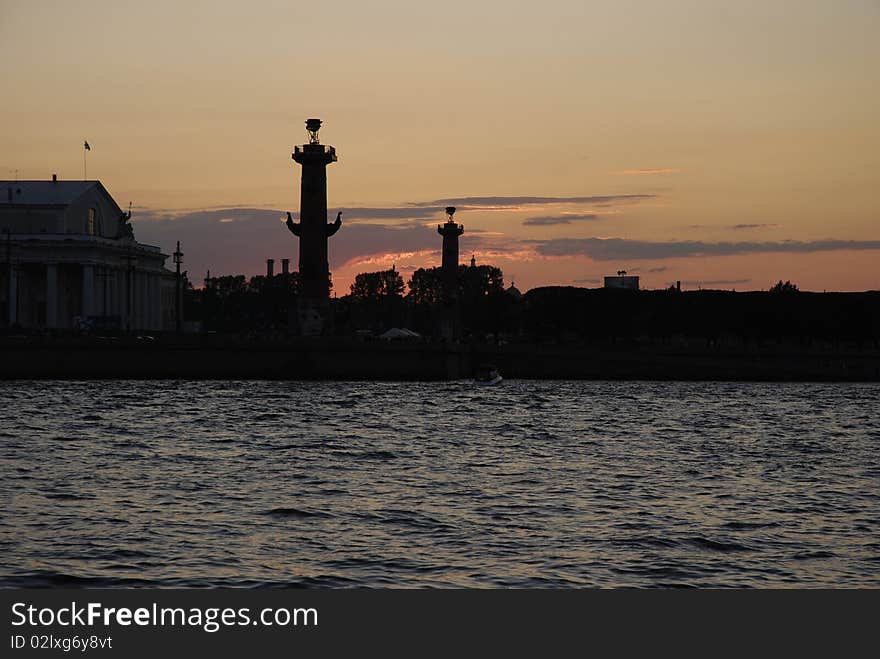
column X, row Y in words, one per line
column 377, row 285
column 233, row 303
column 426, row 284
column 780, row 287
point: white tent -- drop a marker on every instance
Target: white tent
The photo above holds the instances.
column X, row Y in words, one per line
column 399, row 333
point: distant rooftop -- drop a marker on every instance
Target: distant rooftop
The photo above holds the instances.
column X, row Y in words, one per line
column 46, row 193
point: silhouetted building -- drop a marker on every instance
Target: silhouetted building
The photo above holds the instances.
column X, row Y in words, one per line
column 622, row 280
column 313, row 230
column 69, row 259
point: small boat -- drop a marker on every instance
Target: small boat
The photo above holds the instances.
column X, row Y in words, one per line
column 487, row 374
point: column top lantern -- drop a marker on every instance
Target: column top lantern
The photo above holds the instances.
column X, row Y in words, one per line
column 314, row 152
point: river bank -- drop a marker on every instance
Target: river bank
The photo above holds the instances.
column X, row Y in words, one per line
column 219, row 357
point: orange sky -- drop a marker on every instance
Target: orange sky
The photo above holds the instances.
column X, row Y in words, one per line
column 747, row 131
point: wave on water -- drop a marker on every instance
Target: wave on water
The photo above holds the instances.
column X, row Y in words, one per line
column 295, row 513
column 530, row 484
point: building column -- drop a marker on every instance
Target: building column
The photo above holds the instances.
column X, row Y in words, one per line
column 156, row 302
column 88, row 291
column 151, row 281
column 126, row 281
column 148, row 301
column 136, row 298
column 144, row 305
column 132, row 305
column 111, row 291
column 51, row 295
column 113, row 300
column 119, row 296
column 142, row 300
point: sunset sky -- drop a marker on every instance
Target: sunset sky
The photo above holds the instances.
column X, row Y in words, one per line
column 725, row 145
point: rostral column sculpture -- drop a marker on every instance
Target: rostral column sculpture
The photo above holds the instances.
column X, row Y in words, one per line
column 313, row 230
column 450, row 324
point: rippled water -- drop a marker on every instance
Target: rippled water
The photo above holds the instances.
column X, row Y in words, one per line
column 538, row 484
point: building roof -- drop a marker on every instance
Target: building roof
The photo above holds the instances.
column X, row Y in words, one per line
column 45, row 193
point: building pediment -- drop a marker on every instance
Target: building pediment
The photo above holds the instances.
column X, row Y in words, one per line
column 61, row 207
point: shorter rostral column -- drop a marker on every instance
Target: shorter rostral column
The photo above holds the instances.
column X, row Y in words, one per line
column 449, row 274
column 313, row 230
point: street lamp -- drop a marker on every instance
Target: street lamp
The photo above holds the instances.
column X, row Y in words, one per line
column 178, row 260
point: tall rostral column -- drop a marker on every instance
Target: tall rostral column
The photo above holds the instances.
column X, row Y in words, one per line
column 313, row 230
column 449, row 273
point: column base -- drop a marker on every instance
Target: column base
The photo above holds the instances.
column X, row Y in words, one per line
column 312, row 317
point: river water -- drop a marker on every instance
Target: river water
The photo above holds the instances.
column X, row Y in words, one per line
column 526, row 484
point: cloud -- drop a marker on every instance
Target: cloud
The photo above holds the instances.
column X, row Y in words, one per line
column 615, row 249
column 514, row 202
column 389, row 213
column 716, row 282
column 644, row 172
column 734, row 227
column 227, row 241
column 361, row 240
column 661, row 268
column 419, row 210
column 559, row 219
column 737, row 227
column 239, row 240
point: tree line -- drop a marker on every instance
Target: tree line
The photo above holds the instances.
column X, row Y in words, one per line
column 375, row 301
column 380, row 300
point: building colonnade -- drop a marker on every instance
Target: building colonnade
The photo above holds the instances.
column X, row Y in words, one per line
column 55, row 294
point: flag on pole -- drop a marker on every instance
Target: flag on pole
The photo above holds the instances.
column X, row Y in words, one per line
column 86, row 146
